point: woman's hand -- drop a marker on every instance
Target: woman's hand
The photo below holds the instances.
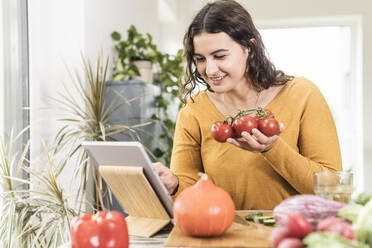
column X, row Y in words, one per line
column 166, row 175
column 257, row 142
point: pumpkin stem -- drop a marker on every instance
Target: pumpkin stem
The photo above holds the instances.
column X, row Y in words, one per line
column 203, row 176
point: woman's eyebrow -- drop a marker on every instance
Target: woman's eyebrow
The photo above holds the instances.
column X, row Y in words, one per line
column 219, row 50
column 214, row 52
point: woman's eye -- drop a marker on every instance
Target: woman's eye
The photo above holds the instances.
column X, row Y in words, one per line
column 199, row 59
column 219, row 56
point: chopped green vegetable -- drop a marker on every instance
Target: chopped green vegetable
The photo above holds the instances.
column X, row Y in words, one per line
column 362, row 198
column 251, row 217
column 261, row 219
column 269, row 222
column 330, row 240
column 350, row 212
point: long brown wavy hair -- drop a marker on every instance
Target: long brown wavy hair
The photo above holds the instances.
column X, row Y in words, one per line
column 230, row 17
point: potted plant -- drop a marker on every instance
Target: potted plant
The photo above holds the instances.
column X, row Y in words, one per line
column 135, row 55
column 35, row 212
column 162, row 102
column 87, row 117
column 39, row 215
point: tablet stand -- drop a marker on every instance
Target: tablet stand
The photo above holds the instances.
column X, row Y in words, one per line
column 146, row 213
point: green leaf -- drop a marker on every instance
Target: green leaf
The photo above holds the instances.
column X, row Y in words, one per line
column 115, row 36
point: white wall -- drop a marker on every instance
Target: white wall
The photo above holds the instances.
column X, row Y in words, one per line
column 261, row 11
column 102, row 17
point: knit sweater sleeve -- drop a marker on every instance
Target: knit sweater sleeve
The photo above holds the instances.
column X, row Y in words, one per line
column 317, row 148
column 186, row 160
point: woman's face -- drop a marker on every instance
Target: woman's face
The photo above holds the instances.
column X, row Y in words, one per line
column 220, row 61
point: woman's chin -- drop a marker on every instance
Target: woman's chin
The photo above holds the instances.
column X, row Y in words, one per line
column 218, row 89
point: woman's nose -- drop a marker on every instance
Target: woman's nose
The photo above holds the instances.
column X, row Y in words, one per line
column 211, row 68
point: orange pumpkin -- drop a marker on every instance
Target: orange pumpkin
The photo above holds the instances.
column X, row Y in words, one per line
column 204, row 209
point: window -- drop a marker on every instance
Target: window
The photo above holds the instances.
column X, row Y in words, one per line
column 13, row 70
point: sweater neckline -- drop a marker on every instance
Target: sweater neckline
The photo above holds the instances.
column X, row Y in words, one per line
column 278, row 96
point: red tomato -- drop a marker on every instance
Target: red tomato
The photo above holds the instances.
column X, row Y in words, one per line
column 298, row 226
column 244, row 123
column 103, row 230
column 221, row 131
column 278, row 234
column 269, row 126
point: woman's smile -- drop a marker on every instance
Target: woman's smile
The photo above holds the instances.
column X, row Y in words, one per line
column 217, row 80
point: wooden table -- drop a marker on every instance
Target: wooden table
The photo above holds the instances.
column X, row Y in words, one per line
column 160, row 239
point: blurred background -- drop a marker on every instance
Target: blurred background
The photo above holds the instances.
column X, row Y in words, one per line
column 326, row 41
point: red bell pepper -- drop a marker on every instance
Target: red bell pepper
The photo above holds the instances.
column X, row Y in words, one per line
column 103, row 230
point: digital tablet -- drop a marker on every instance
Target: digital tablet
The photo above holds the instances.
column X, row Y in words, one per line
column 129, row 153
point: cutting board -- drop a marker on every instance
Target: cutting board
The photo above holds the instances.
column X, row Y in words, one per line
column 241, row 234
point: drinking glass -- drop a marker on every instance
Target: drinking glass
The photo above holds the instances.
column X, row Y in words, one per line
column 337, row 186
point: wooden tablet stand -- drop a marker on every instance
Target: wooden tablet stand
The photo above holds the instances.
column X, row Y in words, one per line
column 146, row 213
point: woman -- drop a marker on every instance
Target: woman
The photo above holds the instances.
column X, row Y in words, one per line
column 225, row 52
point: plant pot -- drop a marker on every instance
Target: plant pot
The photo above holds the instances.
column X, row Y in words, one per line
column 145, row 69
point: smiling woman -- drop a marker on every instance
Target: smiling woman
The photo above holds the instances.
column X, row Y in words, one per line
column 225, row 53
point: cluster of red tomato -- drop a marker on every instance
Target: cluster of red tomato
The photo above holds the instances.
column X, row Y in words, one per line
column 297, row 227
column 232, row 127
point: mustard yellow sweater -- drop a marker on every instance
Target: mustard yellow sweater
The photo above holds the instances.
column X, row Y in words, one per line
column 259, row 180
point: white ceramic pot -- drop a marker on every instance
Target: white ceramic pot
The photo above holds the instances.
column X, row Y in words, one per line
column 145, row 69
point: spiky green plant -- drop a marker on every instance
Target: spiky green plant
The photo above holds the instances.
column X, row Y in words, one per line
column 89, row 120
column 31, row 216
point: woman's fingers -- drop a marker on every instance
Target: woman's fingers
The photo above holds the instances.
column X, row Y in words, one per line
column 257, row 142
column 166, row 175
column 252, row 142
column 260, row 137
column 233, row 142
column 159, row 168
column 282, row 128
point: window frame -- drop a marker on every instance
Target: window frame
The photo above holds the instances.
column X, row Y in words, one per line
column 15, row 72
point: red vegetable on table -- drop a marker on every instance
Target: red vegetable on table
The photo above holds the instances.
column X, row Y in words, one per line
column 103, row 230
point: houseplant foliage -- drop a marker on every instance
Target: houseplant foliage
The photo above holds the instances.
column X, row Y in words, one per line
column 35, row 217
column 136, row 47
column 167, row 78
column 87, row 119
column 36, row 212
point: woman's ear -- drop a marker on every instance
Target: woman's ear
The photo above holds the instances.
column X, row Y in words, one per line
column 253, row 40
